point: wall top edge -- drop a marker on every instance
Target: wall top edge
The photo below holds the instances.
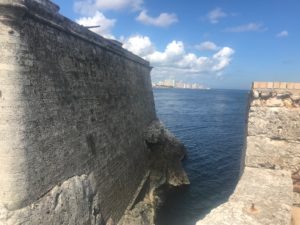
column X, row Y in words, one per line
column 48, row 12
column 276, row 86
column 43, row 5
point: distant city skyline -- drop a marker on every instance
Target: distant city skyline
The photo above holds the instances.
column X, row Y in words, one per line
column 223, row 44
column 178, row 84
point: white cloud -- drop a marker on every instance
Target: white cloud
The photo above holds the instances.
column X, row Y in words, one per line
column 163, row 20
column 89, row 7
column 175, row 61
column 172, row 54
column 222, row 58
column 247, row 28
column 207, row 46
column 282, row 34
column 140, row 45
column 215, row 15
column 99, row 20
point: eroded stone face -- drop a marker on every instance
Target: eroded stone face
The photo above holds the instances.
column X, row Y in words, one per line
column 165, row 172
column 73, row 202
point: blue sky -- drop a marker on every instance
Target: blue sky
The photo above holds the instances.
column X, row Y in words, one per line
column 220, row 43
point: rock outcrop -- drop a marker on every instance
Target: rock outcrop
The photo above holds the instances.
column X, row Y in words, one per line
column 72, row 202
column 264, row 194
column 165, row 172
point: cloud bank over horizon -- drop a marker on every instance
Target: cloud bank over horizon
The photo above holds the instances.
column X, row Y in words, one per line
column 174, row 60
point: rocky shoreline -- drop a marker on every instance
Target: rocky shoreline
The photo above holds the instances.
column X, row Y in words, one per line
column 165, row 172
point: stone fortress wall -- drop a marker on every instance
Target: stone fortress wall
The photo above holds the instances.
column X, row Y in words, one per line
column 80, row 142
column 75, row 108
column 264, row 194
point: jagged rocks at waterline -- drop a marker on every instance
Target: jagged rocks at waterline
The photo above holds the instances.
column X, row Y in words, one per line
column 165, row 172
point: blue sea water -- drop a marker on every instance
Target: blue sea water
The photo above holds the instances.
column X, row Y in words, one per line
column 211, row 124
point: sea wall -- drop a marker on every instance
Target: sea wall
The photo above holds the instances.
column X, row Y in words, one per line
column 264, row 194
column 75, row 108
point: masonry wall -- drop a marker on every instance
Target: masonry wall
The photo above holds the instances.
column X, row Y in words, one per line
column 274, row 126
column 273, row 140
column 72, row 104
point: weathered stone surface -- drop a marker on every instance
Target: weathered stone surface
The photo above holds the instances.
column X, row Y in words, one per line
column 142, row 214
column 274, row 122
column 296, row 216
column 262, row 197
column 272, row 154
column 274, row 132
column 165, row 172
column 72, row 202
column 167, row 152
column 296, row 199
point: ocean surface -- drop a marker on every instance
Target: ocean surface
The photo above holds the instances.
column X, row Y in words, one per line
column 211, row 124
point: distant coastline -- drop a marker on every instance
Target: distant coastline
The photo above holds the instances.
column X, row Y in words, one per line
column 168, row 87
column 178, row 85
column 161, row 86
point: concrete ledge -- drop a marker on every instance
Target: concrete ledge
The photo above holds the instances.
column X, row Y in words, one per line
column 262, row 197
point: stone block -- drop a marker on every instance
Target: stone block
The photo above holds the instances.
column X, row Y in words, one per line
column 297, row 86
column 276, row 85
column 272, row 154
column 283, row 85
column 269, row 85
column 274, row 122
column 290, row 86
column 259, row 85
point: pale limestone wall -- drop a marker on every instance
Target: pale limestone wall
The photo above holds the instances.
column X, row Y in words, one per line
column 73, row 104
column 274, row 126
column 274, row 129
